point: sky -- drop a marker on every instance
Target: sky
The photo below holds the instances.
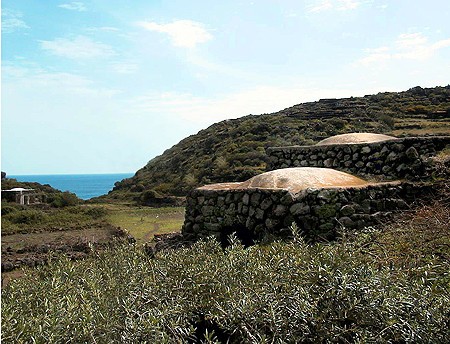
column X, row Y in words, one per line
column 103, row 86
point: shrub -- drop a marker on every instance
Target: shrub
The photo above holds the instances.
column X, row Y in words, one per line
column 63, row 199
column 7, row 209
column 275, row 293
column 28, row 217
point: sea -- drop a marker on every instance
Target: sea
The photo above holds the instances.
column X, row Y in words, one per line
column 85, row 186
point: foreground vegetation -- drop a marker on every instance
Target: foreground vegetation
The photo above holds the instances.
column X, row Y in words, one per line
column 364, row 288
column 234, row 150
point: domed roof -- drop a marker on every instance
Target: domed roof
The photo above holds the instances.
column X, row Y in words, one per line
column 294, row 180
column 354, row 138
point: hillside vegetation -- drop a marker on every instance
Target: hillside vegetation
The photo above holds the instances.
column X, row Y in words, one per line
column 234, row 150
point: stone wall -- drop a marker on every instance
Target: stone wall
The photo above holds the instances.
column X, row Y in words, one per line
column 399, row 158
column 255, row 213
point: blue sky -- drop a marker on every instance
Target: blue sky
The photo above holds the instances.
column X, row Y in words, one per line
column 103, row 86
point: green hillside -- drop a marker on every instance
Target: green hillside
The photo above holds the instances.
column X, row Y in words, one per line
column 234, row 150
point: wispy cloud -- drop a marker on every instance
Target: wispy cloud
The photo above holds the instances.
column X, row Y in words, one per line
column 182, row 33
column 325, row 5
column 125, row 67
column 102, row 28
column 38, row 78
column 257, row 100
column 80, row 47
column 410, row 46
column 74, row 6
column 12, row 21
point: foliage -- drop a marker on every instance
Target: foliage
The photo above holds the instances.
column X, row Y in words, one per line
column 28, row 220
column 234, row 150
column 281, row 292
column 64, row 199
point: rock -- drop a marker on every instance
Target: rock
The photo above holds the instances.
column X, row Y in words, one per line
column 347, row 210
column 411, row 153
column 254, row 200
column 366, row 150
column 326, row 195
column 328, row 162
column 266, row 204
column 299, row 209
column 259, row 214
column 325, row 211
column 346, row 222
column 280, row 210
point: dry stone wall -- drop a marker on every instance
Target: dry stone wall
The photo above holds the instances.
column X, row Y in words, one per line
column 256, row 213
column 400, row 158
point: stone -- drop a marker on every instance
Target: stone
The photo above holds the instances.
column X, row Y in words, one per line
column 347, row 210
column 207, row 210
column 328, row 162
column 307, row 222
column 299, row 209
column 326, row 226
column 366, row 150
column 280, row 210
column 325, row 211
column 246, row 199
column 266, row 203
column 392, row 156
column 346, row 222
column 411, row 153
column 212, row 227
column 326, row 195
column 255, row 198
column 259, row 214
column 220, row 201
column 272, row 223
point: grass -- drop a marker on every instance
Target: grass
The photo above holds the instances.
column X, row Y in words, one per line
column 144, row 222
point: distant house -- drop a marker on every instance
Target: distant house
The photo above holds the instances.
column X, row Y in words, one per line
column 21, row 195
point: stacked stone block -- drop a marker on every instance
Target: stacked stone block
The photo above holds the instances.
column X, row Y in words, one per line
column 319, row 213
column 394, row 159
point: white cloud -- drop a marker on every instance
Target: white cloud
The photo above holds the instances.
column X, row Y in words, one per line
column 80, row 47
column 257, row 100
column 103, row 28
column 12, row 21
column 411, row 46
column 38, row 78
column 74, row 6
column 125, row 67
column 340, row 5
column 182, row 33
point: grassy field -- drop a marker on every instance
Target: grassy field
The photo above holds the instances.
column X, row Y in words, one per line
column 144, row 222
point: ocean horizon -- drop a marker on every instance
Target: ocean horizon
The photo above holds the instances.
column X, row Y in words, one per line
column 85, row 186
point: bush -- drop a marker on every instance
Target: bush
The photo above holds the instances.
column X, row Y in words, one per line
column 276, row 293
column 28, row 217
column 64, row 199
column 7, row 209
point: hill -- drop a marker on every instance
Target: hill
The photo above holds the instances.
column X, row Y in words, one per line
column 234, row 150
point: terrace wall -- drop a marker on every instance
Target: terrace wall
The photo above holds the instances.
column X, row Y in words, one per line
column 394, row 159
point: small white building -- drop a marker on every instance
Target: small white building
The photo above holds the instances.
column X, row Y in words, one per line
column 22, row 196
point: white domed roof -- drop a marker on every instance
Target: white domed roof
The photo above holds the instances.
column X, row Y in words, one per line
column 294, row 179
column 354, row 138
